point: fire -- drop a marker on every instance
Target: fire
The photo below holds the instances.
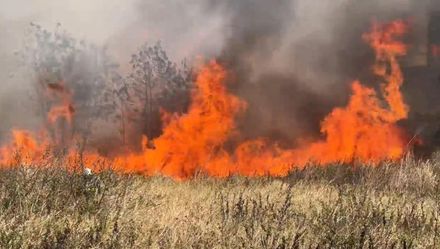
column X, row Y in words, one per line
column 193, row 141
column 24, row 149
column 63, row 109
column 30, row 149
column 435, row 50
column 365, row 130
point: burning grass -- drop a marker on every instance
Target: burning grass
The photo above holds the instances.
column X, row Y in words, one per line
column 45, row 203
column 365, row 130
column 390, row 206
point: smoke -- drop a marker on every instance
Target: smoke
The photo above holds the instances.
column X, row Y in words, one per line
column 291, row 60
column 122, row 26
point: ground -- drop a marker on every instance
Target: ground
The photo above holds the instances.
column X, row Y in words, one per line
column 394, row 205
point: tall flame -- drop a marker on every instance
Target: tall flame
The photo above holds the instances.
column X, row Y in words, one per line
column 191, row 142
column 365, row 130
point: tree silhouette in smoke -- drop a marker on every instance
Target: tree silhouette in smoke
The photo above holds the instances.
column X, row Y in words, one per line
column 77, row 84
column 156, row 84
column 70, row 76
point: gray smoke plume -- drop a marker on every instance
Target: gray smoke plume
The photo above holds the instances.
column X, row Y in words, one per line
column 292, row 60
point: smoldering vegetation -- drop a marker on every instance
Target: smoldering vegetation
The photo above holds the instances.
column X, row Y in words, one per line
column 395, row 205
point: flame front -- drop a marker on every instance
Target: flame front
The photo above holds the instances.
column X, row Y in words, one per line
column 24, row 149
column 195, row 140
column 365, row 130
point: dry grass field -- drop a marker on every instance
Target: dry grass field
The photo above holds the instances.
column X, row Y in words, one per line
column 176, row 106
column 391, row 206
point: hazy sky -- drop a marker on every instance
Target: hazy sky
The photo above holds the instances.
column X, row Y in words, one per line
column 185, row 27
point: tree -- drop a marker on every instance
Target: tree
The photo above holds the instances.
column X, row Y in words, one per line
column 70, row 78
column 116, row 97
column 157, row 83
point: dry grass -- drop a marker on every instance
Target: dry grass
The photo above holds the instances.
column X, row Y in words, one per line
column 392, row 206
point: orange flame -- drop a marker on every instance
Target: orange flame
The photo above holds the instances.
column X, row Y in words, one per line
column 365, row 130
column 435, row 50
column 64, row 108
column 192, row 141
column 24, row 149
